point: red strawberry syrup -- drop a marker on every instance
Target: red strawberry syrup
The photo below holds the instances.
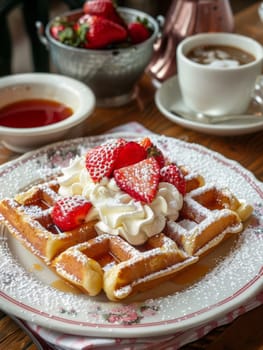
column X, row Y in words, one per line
column 33, row 113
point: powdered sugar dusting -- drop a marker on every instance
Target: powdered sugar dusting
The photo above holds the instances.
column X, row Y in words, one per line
column 26, row 288
column 238, row 261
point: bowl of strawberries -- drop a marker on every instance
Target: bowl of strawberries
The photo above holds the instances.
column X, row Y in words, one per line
column 105, row 46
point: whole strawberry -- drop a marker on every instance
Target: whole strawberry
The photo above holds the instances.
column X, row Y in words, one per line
column 138, row 31
column 56, row 29
column 63, row 31
column 172, row 174
column 105, row 9
column 69, row 212
column 97, row 32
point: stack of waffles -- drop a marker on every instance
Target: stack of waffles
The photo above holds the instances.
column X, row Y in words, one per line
column 90, row 254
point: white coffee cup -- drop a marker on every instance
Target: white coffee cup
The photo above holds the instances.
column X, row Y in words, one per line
column 215, row 90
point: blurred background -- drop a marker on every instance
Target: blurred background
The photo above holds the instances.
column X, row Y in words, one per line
column 21, row 48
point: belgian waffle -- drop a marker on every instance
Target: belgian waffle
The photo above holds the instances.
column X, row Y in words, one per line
column 95, row 262
column 124, row 269
column 111, row 263
column 209, row 215
column 27, row 217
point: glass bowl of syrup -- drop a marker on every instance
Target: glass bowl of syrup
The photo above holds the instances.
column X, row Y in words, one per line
column 40, row 108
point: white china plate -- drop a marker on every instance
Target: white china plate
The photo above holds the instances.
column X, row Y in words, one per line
column 229, row 276
column 169, row 95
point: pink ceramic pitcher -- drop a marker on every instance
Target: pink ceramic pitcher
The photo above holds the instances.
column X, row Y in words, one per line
column 184, row 18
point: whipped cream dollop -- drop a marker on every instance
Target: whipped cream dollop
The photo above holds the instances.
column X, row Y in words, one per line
column 115, row 211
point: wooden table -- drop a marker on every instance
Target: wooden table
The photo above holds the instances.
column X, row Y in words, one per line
column 246, row 332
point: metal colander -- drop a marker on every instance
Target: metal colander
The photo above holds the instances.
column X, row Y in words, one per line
column 111, row 74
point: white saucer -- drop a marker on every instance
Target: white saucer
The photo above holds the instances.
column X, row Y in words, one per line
column 168, row 97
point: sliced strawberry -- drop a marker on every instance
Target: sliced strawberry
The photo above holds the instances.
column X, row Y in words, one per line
column 172, row 174
column 98, row 33
column 138, row 31
column 139, row 180
column 103, row 8
column 69, row 212
column 153, row 151
column 100, row 161
column 130, row 154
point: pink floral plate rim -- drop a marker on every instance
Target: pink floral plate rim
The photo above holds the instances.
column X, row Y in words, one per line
column 232, row 281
